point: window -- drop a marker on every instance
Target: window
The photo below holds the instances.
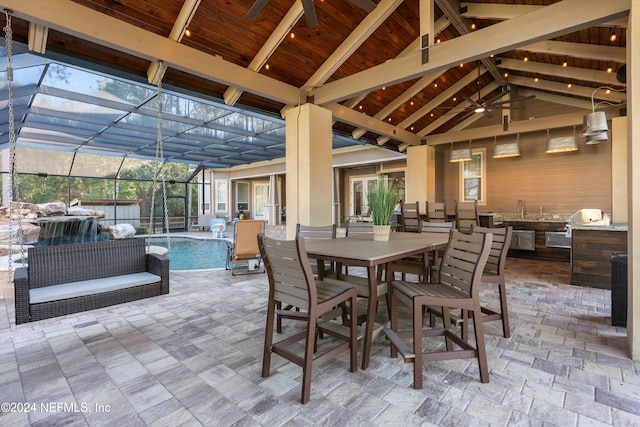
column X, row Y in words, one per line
column 242, row 196
column 207, row 197
column 221, row 195
column 472, row 177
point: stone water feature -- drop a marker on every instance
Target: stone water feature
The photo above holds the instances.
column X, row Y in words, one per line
column 40, row 225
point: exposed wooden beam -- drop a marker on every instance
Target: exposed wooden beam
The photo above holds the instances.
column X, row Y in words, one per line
column 523, row 126
column 80, row 21
column 354, row 118
column 555, row 98
column 574, row 90
column 232, row 94
column 362, row 32
column 435, row 102
column 560, row 18
column 578, row 50
column 444, row 119
column 415, row 89
column 439, row 25
column 452, row 10
column 575, row 73
column 494, row 11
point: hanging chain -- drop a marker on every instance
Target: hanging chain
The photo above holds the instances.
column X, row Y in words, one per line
column 13, row 173
column 158, row 160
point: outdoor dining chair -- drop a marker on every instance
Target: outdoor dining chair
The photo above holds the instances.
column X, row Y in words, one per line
column 410, row 217
column 361, row 282
column 494, row 272
column 467, row 215
column 291, row 282
column 244, row 251
column 415, row 265
column 458, row 288
column 308, row 232
column 317, row 232
column 436, row 212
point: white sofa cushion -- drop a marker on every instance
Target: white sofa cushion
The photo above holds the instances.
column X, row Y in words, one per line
column 90, row 287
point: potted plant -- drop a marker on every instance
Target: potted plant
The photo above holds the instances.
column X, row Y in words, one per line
column 383, row 198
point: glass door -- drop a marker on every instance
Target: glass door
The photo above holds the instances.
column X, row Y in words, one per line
column 260, row 201
column 359, row 197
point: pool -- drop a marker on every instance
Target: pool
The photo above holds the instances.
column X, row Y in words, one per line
column 193, row 254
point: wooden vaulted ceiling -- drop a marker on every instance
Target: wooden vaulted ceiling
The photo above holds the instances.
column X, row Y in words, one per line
column 366, row 63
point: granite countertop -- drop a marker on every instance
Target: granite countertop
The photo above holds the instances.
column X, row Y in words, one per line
column 528, row 217
column 610, row 227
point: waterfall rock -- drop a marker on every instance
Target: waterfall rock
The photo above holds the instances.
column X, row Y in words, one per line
column 80, row 211
column 30, row 233
column 121, row 231
column 52, row 208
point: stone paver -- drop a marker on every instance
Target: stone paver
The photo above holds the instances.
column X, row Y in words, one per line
column 193, row 357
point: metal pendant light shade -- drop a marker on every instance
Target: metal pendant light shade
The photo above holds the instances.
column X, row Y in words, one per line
column 594, row 123
column 597, row 138
column 511, row 149
column 562, row 144
column 461, row 155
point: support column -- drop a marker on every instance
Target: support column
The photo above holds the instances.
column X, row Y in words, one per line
column 633, row 175
column 309, row 167
column 420, row 178
column 619, row 188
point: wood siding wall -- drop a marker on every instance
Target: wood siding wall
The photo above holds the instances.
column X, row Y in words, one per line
column 560, row 183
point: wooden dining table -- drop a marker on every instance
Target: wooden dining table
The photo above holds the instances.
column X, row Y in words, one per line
column 363, row 251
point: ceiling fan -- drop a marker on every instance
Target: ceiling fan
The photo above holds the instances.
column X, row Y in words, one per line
column 309, row 9
column 485, row 107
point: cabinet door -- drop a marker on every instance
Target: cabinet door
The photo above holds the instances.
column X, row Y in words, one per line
column 524, row 240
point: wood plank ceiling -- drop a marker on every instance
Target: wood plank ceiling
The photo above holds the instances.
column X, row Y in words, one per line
column 563, row 64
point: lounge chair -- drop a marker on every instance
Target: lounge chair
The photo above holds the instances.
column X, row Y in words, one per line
column 244, row 249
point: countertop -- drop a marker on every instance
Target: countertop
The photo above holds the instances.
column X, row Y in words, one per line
column 610, row 227
column 556, row 220
column 528, row 217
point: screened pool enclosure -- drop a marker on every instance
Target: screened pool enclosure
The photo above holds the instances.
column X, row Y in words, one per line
column 85, row 132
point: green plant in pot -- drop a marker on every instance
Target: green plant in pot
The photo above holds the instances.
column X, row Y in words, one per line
column 383, row 198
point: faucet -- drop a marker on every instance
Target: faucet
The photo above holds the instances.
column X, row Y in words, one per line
column 521, row 208
column 541, row 216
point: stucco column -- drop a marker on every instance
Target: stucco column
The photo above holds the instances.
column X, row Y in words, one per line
column 420, row 178
column 633, row 174
column 309, row 167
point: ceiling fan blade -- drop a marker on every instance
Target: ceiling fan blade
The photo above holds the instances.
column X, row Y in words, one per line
column 497, row 97
column 507, row 101
column 310, row 13
column 471, row 101
column 367, row 5
column 256, row 8
column 487, row 113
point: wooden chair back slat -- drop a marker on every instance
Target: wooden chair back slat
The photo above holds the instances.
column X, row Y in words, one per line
column 285, row 266
column 436, row 212
column 410, row 217
column 459, row 265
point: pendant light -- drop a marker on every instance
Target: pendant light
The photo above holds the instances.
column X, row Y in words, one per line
column 511, row 149
column 594, row 124
column 563, row 144
column 460, row 155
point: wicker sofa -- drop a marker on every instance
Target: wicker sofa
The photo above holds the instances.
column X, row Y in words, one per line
column 67, row 279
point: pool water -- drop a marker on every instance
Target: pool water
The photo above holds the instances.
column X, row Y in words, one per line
column 193, row 254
